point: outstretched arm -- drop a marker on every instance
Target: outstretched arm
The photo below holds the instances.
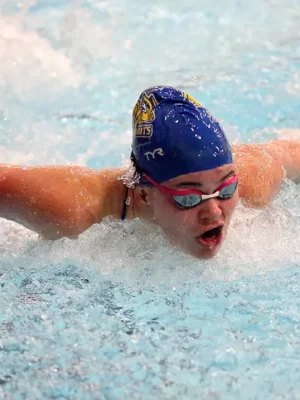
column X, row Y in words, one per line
column 59, row 201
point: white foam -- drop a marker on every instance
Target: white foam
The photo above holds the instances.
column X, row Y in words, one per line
column 28, row 61
column 293, row 86
column 83, row 39
column 30, row 66
column 259, row 241
column 15, row 157
column 288, row 134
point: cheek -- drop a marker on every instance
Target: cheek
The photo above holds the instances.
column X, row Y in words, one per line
column 230, row 205
column 163, row 210
column 168, row 217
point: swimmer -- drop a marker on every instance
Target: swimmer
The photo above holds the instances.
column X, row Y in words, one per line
column 187, row 179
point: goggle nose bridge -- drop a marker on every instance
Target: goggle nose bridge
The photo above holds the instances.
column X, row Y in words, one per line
column 210, row 196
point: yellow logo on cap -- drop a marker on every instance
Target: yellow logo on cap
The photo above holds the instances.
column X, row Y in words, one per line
column 192, row 100
column 144, row 115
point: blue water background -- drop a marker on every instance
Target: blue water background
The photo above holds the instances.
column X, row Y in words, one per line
column 120, row 314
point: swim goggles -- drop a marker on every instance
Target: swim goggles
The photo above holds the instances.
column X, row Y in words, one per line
column 189, row 198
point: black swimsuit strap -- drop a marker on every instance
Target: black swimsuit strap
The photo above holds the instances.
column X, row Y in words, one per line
column 124, row 211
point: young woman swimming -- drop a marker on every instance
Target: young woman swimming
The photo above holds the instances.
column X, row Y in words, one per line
column 188, row 179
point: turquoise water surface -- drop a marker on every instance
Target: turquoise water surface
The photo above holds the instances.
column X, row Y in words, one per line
column 119, row 313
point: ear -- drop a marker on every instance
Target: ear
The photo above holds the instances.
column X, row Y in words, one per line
column 142, row 195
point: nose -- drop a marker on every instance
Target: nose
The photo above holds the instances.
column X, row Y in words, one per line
column 210, row 210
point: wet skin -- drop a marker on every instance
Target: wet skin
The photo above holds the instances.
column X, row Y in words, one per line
column 64, row 201
column 182, row 227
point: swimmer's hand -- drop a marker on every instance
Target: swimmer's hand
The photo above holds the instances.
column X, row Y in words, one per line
column 59, row 201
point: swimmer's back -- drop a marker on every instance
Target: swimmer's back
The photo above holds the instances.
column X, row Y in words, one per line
column 260, row 174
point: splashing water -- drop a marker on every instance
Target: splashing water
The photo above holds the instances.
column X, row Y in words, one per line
column 119, row 312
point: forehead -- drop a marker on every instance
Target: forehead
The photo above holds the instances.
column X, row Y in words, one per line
column 203, row 177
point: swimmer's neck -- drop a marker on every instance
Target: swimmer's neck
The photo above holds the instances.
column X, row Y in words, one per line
column 134, row 209
column 136, row 199
column 113, row 194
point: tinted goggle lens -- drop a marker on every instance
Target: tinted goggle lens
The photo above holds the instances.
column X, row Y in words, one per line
column 187, row 201
column 192, row 200
column 228, row 191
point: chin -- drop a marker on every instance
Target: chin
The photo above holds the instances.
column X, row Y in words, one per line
column 196, row 250
column 203, row 253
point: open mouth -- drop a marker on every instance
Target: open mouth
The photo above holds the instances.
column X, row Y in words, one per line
column 211, row 237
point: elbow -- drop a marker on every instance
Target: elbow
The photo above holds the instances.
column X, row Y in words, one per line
column 69, row 228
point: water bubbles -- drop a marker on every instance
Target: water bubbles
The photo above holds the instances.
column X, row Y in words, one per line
column 121, row 295
column 120, row 311
column 130, row 177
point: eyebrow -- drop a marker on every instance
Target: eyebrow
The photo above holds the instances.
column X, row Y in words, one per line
column 198, row 184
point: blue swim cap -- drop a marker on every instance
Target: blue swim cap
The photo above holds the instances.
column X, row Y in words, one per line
column 173, row 134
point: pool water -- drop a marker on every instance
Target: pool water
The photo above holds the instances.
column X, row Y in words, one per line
column 120, row 313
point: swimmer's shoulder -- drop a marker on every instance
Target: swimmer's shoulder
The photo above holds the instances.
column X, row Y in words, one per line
column 260, row 174
column 102, row 193
column 114, row 197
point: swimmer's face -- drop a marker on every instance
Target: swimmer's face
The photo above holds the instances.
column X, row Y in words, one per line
column 201, row 230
